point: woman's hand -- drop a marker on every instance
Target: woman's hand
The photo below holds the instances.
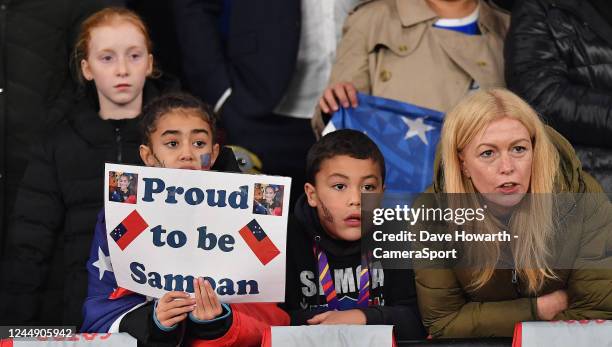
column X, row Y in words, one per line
column 343, row 93
column 207, row 303
column 550, row 305
column 173, row 308
column 339, row 317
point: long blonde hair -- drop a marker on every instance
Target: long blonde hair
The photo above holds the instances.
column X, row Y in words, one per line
column 534, row 223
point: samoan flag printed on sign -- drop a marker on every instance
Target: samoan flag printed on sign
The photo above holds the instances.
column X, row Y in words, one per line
column 128, row 229
column 257, row 240
column 406, row 134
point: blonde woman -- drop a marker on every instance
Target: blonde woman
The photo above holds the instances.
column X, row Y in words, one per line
column 493, row 142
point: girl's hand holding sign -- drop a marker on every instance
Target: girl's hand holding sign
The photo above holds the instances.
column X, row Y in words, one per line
column 173, row 308
column 208, row 306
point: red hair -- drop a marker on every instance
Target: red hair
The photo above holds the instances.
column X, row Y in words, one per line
column 106, row 16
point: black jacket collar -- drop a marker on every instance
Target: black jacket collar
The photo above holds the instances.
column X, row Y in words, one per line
column 99, row 132
column 86, row 121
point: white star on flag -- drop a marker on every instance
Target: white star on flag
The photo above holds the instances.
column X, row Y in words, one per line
column 103, row 263
column 417, row 128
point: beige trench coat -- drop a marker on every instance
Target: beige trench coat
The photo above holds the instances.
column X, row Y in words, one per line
column 390, row 49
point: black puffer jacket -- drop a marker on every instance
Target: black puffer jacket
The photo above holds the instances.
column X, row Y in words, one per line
column 44, row 279
column 36, row 38
column 559, row 58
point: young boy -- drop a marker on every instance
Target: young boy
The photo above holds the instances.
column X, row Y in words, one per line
column 323, row 242
column 329, row 280
column 178, row 132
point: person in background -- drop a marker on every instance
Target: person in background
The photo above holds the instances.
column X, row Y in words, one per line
column 36, row 88
column 559, row 58
column 263, row 64
column 44, row 280
column 429, row 53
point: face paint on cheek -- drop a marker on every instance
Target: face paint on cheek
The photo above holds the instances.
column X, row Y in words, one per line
column 206, row 160
column 327, row 214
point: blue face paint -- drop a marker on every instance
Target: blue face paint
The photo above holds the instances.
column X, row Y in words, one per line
column 206, row 159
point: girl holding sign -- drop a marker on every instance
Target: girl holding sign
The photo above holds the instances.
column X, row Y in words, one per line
column 61, row 190
column 178, row 132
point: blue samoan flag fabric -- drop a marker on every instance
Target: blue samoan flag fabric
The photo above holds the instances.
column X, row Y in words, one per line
column 406, row 134
column 99, row 311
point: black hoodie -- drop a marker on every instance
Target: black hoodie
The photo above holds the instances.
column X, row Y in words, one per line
column 392, row 290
